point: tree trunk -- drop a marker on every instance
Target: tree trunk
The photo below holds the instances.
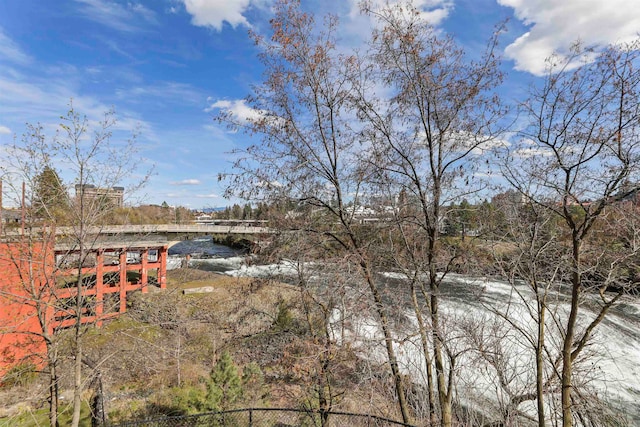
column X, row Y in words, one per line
column 53, row 388
column 98, row 413
column 540, row 364
column 388, row 339
column 443, row 395
column 567, row 345
column 77, row 380
column 77, row 369
column 427, row 357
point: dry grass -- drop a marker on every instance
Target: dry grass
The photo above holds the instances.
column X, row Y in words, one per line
column 168, row 339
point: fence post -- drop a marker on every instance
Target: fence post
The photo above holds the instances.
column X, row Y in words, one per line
column 251, row 417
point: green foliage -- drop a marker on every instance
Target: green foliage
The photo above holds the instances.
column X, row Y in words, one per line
column 20, row 375
column 224, row 385
column 460, row 219
column 247, row 212
column 253, row 385
column 51, row 200
column 39, row 418
column 186, row 400
column 224, row 389
column 284, row 317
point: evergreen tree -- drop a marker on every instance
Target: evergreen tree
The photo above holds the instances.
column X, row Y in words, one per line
column 247, row 211
column 50, row 197
column 253, row 385
column 236, row 212
column 224, row 386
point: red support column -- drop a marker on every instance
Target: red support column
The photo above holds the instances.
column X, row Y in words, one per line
column 144, row 279
column 99, row 287
column 162, row 271
column 123, row 281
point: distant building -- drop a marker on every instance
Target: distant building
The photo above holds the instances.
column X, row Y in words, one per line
column 114, row 195
column 10, row 217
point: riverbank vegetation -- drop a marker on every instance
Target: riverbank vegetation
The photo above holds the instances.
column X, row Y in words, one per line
column 246, row 343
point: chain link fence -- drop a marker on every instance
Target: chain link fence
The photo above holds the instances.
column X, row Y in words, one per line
column 268, row 417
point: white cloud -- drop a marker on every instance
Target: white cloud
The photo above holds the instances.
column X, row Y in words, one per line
column 207, row 196
column 10, row 51
column 213, row 13
column 431, row 11
column 186, row 182
column 271, row 184
column 5, row 130
column 525, row 153
column 355, row 27
column 237, row 107
column 555, row 25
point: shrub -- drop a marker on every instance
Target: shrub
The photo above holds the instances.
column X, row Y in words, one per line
column 20, row 375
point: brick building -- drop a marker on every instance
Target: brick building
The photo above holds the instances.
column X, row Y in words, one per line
column 113, row 195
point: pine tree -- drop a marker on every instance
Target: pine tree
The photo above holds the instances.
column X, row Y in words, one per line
column 224, row 386
column 50, row 199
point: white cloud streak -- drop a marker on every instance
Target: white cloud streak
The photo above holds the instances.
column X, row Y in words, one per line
column 182, row 92
column 555, row 25
column 47, row 97
column 5, row 130
column 10, row 51
column 116, row 16
column 431, row 11
column 186, row 182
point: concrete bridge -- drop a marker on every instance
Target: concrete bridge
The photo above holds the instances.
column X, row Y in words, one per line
column 144, row 235
column 167, row 229
column 171, row 234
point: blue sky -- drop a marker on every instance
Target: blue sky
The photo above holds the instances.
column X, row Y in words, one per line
column 162, row 64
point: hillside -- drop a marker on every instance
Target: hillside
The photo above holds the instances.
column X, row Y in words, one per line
column 158, row 358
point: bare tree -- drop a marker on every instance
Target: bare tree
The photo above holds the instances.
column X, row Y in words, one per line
column 90, row 158
column 309, row 154
column 575, row 158
column 322, row 284
column 433, row 116
column 526, row 247
column 26, row 259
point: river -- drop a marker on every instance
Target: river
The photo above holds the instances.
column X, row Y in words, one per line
column 614, row 361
